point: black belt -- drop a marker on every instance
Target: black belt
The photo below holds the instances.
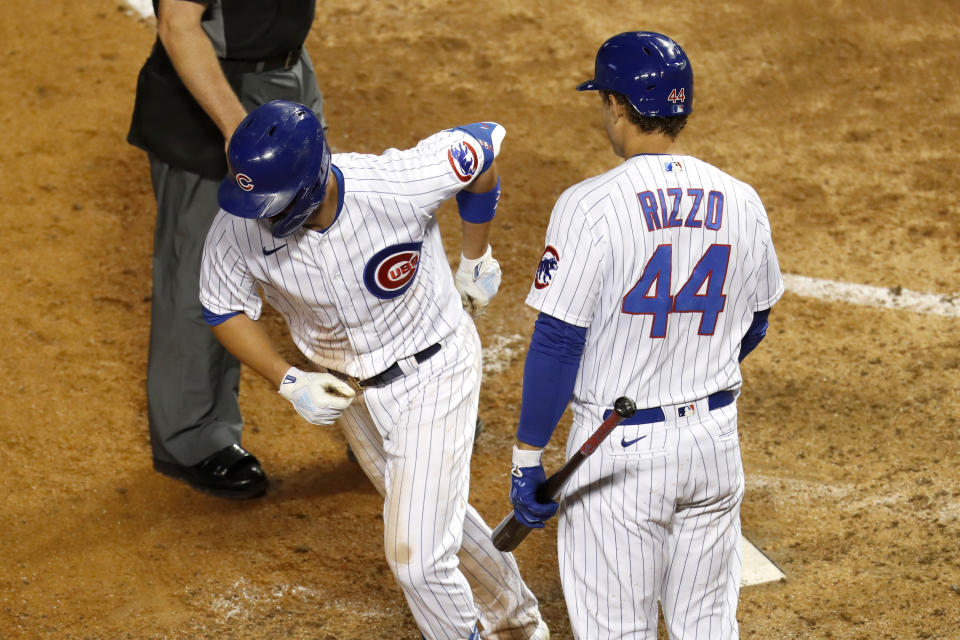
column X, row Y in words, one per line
column 656, row 414
column 394, row 371
column 280, row 61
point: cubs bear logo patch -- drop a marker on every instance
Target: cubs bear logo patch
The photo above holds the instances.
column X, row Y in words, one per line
column 548, row 264
column 463, row 158
column 391, row 271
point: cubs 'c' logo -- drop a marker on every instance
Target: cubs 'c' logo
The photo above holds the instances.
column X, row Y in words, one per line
column 548, row 264
column 391, row 271
column 463, row 159
column 244, row 182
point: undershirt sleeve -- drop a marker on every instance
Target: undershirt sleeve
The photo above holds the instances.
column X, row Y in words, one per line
column 549, row 375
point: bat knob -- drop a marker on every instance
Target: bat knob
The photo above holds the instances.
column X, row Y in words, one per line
column 624, row 407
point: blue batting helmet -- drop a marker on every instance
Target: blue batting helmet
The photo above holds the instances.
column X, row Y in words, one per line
column 650, row 69
column 279, row 166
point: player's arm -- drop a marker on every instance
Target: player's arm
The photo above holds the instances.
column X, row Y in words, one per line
column 251, row 345
column 756, row 333
column 477, row 204
column 319, row 398
column 478, row 276
column 549, row 375
column 193, row 56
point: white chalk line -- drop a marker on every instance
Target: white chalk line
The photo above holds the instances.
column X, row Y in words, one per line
column 870, row 296
column 245, row 601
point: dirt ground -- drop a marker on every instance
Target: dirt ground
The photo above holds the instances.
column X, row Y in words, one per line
column 844, row 115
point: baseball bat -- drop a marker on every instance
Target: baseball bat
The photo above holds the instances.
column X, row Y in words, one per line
column 511, row 532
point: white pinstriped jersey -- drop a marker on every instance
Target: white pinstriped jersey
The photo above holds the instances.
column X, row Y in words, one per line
column 665, row 258
column 373, row 288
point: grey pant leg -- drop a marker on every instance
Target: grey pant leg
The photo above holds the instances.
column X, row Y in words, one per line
column 192, row 381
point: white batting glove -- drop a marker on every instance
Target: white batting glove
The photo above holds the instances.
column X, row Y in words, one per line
column 477, row 281
column 319, row 398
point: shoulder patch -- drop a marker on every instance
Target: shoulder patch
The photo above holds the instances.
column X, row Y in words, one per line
column 548, row 264
column 463, row 158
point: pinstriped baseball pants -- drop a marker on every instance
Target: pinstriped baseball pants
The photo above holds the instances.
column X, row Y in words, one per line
column 654, row 515
column 413, row 438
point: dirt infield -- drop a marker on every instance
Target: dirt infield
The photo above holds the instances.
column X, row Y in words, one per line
column 844, row 116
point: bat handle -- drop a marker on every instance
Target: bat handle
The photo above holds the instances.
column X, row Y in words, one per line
column 509, row 533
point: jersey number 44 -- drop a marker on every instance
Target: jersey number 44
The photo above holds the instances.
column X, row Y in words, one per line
column 702, row 292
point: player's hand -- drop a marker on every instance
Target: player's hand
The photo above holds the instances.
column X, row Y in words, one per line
column 524, row 482
column 319, row 398
column 477, row 281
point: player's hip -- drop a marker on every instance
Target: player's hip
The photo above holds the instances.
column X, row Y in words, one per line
column 653, row 430
column 689, row 461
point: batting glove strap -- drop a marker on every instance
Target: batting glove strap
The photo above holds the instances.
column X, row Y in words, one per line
column 319, row 398
column 526, row 457
column 524, row 482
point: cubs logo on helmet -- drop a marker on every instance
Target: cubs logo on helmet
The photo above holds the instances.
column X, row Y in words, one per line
column 463, row 159
column 244, row 182
column 548, row 264
column 391, row 271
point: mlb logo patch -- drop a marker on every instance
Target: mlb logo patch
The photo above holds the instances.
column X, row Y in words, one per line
column 674, row 166
column 686, row 411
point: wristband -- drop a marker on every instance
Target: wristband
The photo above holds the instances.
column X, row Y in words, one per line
column 478, row 207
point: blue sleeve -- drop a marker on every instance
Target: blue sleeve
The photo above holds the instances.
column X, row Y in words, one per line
column 213, row 319
column 756, row 332
column 549, row 373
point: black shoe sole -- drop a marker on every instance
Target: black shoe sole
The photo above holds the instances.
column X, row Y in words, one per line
column 177, row 472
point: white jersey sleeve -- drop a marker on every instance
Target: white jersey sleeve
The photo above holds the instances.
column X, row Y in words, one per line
column 226, row 284
column 769, row 279
column 569, row 275
column 435, row 169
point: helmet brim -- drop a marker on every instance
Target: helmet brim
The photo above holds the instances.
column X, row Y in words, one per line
column 243, row 204
column 589, row 85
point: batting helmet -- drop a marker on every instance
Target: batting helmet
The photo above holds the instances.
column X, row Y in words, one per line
column 650, row 69
column 279, row 166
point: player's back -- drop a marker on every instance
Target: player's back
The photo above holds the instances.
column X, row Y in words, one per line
column 682, row 258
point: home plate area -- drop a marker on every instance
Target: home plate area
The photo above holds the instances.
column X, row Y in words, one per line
column 757, row 568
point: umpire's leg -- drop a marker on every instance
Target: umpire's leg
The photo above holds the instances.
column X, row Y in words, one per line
column 192, row 381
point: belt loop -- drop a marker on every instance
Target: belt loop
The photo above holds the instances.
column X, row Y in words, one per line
column 408, row 365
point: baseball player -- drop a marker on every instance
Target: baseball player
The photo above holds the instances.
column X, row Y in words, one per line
column 656, row 281
column 347, row 248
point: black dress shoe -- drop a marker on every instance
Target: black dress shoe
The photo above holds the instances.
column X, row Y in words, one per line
column 233, row 472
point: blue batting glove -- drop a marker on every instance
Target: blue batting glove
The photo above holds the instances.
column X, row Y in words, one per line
column 524, row 483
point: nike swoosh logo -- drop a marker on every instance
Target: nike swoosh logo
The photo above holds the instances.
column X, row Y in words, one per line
column 627, row 443
column 270, row 252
